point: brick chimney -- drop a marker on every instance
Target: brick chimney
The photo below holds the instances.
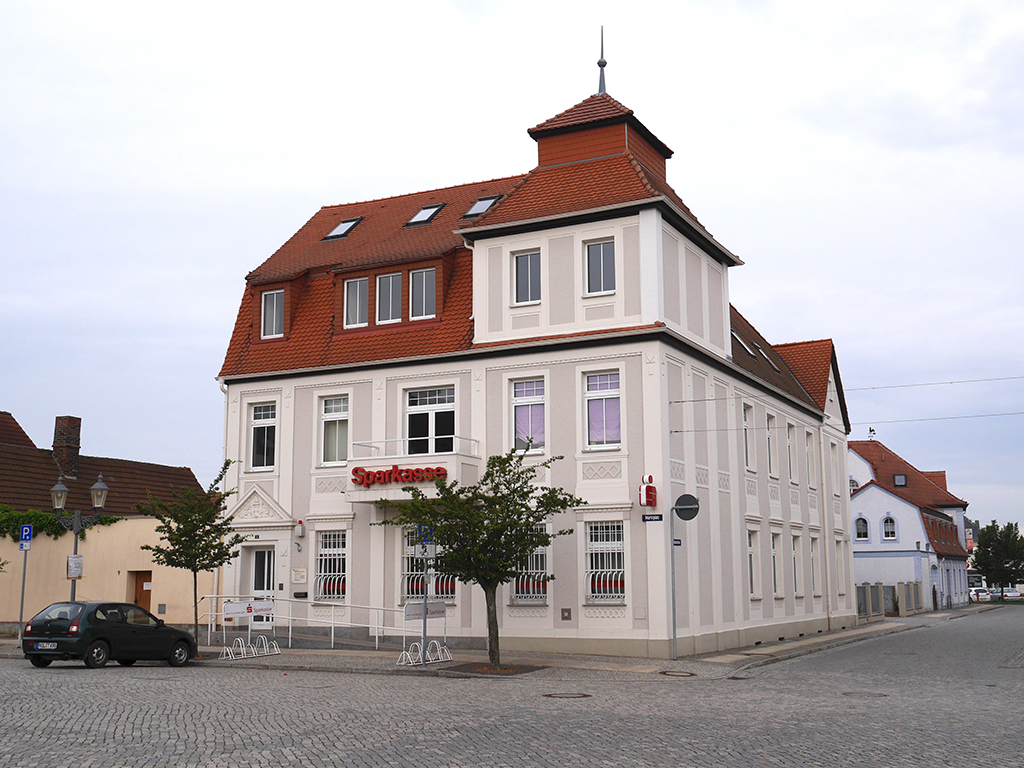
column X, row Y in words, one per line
column 67, row 440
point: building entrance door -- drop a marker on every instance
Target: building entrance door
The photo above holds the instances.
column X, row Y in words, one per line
column 263, row 581
column 143, row 589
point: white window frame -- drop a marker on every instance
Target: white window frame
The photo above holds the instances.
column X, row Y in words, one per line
column 773, row 469
column 440, row 586
column 797, row 563
column 605, row 557
column 357, row 305
column 262, row 420
column 790, row 448
column 814, row 566
column 431, row 401
column 331, row 581
column 597, row 249
column 333, row 410
column 607, row 395
column 748, row 438
column 418, row 290
column 525, row 396
column 885, row 533
column 833, row 457
column 533, row 267
column 753, row 565
column 531, row 585
column 812, row 475
column 861, row 530
column 272, row 310
column 386, row 298
column 776, row 581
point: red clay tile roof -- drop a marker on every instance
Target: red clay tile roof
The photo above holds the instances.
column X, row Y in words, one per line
column 28, row 474
column 314, row 342
column 811, row 363
column 11, row 432
column 938, row 477
column 599, row 109
column 381, row 236
column 758, row 364
column 919, row 490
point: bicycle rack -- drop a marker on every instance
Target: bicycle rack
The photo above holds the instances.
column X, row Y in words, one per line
column 242, row 650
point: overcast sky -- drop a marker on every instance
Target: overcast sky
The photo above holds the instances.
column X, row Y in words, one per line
column 866, row 161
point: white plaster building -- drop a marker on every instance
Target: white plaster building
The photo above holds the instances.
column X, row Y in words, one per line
column 581, row 306
column 907, row 528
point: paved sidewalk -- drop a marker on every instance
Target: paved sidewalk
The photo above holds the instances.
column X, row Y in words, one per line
column 564, row 666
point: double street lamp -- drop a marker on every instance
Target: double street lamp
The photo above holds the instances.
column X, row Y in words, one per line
column 78, row 522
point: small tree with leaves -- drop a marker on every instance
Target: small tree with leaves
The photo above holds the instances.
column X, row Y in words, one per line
column 999, row 555
column 197, row 534
column 485, row 533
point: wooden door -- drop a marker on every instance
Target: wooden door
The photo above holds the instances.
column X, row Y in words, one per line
column 143, row 589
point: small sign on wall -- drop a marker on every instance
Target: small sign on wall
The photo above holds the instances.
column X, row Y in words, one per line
column 298, row 575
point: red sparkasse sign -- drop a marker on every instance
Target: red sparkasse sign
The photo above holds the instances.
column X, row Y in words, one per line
column 368, row 477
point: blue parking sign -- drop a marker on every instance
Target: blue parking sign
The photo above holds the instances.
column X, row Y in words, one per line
column 26, row 533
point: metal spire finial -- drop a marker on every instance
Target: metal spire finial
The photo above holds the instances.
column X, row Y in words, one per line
column 602, row 64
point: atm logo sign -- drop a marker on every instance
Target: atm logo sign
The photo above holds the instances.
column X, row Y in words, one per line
column 368, row 477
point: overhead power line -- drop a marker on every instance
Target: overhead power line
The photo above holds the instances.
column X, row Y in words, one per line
column 934, row 383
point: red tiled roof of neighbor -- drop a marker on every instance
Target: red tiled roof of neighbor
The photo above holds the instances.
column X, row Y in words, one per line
column 919, row 490
column 382, row 236
column 11, row 432
column 811, row 363
column 28, row 474
column 938, row 477
column 758, row 364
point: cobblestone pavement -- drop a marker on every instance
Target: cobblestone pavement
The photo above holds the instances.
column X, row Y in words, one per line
column 906, row 698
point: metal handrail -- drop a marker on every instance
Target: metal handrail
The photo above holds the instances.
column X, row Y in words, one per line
column 459, row 445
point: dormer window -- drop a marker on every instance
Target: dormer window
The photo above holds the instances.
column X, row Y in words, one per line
column 343, row 229
column 900, row 481
column 426, row 213
column 482, row 205
column 272, row 324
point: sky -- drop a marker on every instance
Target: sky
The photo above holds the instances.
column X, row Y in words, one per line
column 865, row 160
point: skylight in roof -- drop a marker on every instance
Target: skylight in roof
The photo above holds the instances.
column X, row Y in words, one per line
column 426, row 213
column 343, row 228
column 481, row 206
column 743, row 344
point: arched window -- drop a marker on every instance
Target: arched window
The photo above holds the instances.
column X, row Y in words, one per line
column 861, row 527
column 889, row 529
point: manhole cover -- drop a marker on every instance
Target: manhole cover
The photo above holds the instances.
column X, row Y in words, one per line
column 677, row 673
column 567, row 695
column 866, row 695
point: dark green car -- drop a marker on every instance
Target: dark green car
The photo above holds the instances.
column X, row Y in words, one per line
column 98, row 632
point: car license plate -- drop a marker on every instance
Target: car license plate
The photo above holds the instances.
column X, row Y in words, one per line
column 46, row 646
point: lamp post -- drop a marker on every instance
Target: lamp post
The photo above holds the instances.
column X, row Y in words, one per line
column 78, row 522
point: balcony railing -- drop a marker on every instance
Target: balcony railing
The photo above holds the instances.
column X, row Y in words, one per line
column 416, row 446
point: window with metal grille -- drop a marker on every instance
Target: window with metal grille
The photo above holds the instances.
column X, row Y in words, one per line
column 531, row 585
column 440, row 586
column 606, row 571
column 331, row 561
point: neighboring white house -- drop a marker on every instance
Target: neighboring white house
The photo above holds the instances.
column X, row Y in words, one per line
column 908, row 529
column 584, row 308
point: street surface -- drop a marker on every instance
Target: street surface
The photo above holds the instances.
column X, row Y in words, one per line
column 946, row 693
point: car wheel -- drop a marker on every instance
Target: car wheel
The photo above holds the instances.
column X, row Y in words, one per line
column 97, row 655
column 126, row 662
column 179, row 656
column 39, row 661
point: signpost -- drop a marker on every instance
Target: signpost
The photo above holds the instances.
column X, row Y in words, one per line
column 26, row 545
column 685, row 508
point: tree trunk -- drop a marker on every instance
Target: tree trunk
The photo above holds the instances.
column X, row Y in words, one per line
column 493, row 653
column 195, row 606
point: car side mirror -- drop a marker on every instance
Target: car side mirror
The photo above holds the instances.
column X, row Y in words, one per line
column 159, row 622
